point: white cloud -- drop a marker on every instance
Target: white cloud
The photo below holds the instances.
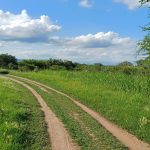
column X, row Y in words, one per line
column 19, row 32
column 99, row 40
column 132, row 4
column 102, row 47
column 85, row 3
column 107, row 48
column 23, row 27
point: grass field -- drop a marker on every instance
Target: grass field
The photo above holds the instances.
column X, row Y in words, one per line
column 123, row 99
column 22, row 125
column 85, row 131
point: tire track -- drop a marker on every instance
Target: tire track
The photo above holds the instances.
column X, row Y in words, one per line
column 59, row 138
column 129, row 140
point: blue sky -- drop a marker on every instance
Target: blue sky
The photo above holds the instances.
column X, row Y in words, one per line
column 80, row 30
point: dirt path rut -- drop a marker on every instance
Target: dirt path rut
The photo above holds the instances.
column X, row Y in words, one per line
column 59, row 138
column 129, row 140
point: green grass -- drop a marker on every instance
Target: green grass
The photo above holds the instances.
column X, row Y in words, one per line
column 123, row 99
column 85, row 131
column 22, row 125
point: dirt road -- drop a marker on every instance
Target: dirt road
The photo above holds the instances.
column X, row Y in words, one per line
column 59, row 138
column 129, row 140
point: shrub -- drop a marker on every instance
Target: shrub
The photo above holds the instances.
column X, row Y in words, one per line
column 128, row 70
column 2, row 71
column 125, row 63
column 57, row 67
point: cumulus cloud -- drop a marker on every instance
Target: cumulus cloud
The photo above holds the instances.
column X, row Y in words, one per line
column 102, row 47
column 22, row 27
column 99, row 40
column 85, row 3
column 107, row 48
column 19, row 32
column 132, row 4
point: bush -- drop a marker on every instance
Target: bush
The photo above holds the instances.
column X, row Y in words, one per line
column 128, row 70
column 125, row 64
column 12, row 66
column 57, row 67
column 4, row 71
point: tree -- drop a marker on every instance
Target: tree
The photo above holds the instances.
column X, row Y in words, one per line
column 7, row 60
column 144, row 1
column 143, row 63
column 144, row 45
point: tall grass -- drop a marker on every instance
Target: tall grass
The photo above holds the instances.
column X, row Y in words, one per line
column 123, row 99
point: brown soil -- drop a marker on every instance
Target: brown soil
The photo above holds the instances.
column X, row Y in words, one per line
column 129, row 140
column 59, row 138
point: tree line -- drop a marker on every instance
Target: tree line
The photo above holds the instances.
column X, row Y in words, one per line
column 10, row 62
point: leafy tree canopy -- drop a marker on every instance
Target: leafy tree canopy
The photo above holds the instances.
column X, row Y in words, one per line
column 144, row 45
column 144, row 1
column 7, row 60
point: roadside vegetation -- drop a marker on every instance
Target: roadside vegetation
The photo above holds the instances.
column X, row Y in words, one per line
column 22, row 125
column 121, row 98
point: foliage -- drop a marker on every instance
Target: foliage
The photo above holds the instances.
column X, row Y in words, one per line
column 144, row 1
column 8, row 61
column 3, row 71
column 144, row 45
column 88, row 68
column 125, row 63
column 144, row 63
column 35, row 65
column 128, row 70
